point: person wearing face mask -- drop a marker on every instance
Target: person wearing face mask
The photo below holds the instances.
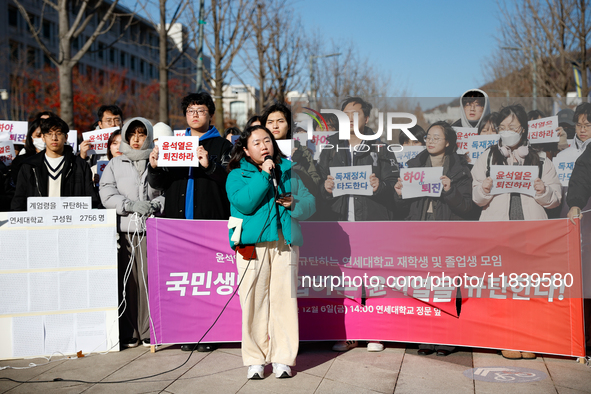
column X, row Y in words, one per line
column 124, row 187
column 33, row 144
column 513, row 149
column 267, row 249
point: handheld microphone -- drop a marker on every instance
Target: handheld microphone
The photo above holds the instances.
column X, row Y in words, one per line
column 268, row 157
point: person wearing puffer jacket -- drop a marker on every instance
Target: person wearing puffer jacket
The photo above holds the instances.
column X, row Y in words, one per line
column 513, row 149
column 124, row 187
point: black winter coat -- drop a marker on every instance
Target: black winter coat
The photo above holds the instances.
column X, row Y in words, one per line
column 33, row 179
column 579, row 185
column 454, row 204
column 210, row 200
column 379, row 206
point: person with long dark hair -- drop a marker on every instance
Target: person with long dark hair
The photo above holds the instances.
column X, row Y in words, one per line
column 267, row 249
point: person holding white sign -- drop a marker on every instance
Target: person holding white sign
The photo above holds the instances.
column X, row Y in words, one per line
column 513, row 149
column 455, row 201
column 355, row 151
column 124, row 187
column 196, row 192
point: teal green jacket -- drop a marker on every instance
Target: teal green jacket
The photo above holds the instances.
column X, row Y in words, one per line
column 252, row 199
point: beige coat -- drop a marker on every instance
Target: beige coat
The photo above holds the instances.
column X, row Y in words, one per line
column 497, row 207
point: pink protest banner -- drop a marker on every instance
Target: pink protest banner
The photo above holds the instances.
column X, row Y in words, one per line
column 191, row 271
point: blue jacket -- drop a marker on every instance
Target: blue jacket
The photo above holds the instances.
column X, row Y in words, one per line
column 252, row 199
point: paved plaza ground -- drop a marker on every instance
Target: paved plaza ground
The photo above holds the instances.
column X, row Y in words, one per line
column 398, row 369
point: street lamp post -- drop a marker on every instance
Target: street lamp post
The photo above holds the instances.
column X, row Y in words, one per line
column 312, row 82
column 4, row 98
column 534, row 71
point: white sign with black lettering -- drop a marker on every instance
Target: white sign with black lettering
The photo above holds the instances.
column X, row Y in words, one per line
column 58, row 203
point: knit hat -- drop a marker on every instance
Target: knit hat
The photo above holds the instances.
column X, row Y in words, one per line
column 162, row 130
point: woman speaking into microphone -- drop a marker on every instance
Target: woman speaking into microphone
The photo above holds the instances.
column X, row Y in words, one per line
column 266, row 203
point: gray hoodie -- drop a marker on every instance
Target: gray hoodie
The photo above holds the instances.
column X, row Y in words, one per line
column 463, row 121
column 125, row 179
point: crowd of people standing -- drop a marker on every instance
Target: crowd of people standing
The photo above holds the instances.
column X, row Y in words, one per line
column 244, row 175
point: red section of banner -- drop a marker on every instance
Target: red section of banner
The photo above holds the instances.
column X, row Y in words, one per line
column 191, row 269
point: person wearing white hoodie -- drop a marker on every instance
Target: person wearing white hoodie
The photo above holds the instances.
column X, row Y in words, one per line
column 161, row 129
column 124, row 187
column 475, row 106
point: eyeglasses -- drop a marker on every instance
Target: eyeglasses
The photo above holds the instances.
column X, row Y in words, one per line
column 586, row 126
column 475, row 104
column 431, row 139
column 112, row 121
column 200, row 112
column 53, row 134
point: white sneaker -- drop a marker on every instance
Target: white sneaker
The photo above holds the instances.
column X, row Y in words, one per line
column 255, row 372
column 375, row 347
column 281, row 370
column 343, row 346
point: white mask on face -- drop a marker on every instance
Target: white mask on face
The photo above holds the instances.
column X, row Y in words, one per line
column 39, row 143
column 509, row 138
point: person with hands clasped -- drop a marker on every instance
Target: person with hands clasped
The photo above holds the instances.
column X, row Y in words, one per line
column 124, row 187
column 196, row 192
column 267, row 201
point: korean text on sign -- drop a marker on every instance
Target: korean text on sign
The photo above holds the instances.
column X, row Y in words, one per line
column 100, row 167
column 477, row 144
column 513, row 179
column 564, row 164
column 543, row 130
column 6, row 152
column 407, row 153
column 177, row 151
column 98, row 140
column 421, row 182
column 463, row 134
column 319, row 138
column 58, row 203
column 351, row 180
column 14, row 128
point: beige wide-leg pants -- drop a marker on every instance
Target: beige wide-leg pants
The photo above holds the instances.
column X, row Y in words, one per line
column 270, row 331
